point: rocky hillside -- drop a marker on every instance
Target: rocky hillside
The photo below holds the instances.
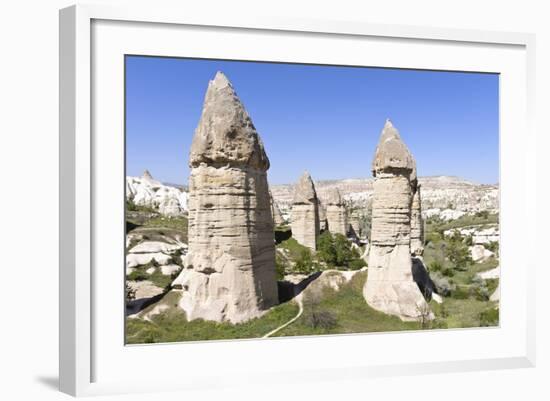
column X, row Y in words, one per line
column 145, row 191
column 444, row 196
column 450, row 196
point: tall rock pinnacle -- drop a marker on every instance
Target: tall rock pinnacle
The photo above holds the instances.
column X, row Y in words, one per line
column 229, row 272
column 336, row 213
column 390, row 287
column 305, row 212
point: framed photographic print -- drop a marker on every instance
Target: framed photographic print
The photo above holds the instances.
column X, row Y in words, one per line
column 241, row 191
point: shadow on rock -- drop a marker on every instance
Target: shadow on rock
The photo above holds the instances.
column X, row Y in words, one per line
column 289, row 290
column 422, row 278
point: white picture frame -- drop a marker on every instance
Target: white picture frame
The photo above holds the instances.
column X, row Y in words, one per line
column 91, row 35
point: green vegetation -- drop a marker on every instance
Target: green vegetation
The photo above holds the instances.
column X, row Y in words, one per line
column 333, row 252
column 343, row 311
column 484, row 219
column 454, row 274
column 172, row 325
column 132, row 207
column 337, row 253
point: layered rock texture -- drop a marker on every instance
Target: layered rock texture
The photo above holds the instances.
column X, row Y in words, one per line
column 305, row 212
column 278, row 219
column 336, row 213
column 229, row 272
column 390, row 287
column 417, row 222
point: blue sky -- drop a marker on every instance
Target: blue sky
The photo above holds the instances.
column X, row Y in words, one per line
column 321, row 118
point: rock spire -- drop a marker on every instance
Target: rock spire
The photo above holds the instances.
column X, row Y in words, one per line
column 390, row 287
column 305, row 212
column 336, row 213
column 229, row 272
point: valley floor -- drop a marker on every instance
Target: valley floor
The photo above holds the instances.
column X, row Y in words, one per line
column 331, row 303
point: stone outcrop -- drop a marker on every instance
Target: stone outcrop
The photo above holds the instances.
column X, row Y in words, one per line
column 229, row 272
column 390, row 287
column 146, row 191
column 305, row 212
column 278, row 219
column 336, row 213
column 417, row 223
column 323, row 224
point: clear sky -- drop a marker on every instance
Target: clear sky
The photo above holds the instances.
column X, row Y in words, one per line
column 321, row 118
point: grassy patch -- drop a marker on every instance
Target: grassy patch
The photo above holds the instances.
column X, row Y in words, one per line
column 172, row 326
column 350, row 311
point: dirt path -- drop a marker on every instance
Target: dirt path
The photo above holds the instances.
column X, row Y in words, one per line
column 298, row 300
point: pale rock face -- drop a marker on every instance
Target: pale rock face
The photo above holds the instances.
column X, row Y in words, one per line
column 417, row 223
column 167, row 270
column 495, row 296
column 278, row 218
column 390, row 287
column 305, row 213
column 145, row 289
column 230, row 267
column 479, row 253
column 336, row 213
column 155, row 246
column 490, row 274
column 146, row 191
column 139, row 259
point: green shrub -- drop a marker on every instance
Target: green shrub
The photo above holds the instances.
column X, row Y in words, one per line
column 356, row 264
column 304, row 264
column 335, row 250
column 138, row 275
column 435, row 266
column 458, row 254
column 281, row 266
column 130, row 294
column 492, row 246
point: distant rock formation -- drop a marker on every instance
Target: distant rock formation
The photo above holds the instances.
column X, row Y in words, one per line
column 336, row 213
column 146, row 191
column 417, row 222
column 305, row 212
column 323, row 224
column 390, row 287
column 229, row 272
column 278, row 219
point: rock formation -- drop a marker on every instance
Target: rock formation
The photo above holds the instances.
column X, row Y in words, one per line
column 278, row 219
column 305, row 212
column 146, row 191
column 229, row 272
column 417, row 223
column 336, row 213
column 390, row 287
column 323, row 224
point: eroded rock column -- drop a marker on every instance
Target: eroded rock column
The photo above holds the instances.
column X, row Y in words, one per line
column 336, row 213
column 305, row 212
column 390, row 287
column 417, row 223
column 229, row 272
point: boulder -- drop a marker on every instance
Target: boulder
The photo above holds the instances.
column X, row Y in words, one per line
column 154, row 247
column 479, row 253
column 140, row 259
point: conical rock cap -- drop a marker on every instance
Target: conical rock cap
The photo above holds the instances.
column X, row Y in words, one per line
column 226, row 134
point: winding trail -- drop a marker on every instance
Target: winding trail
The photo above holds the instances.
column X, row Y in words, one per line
column 298, row 300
